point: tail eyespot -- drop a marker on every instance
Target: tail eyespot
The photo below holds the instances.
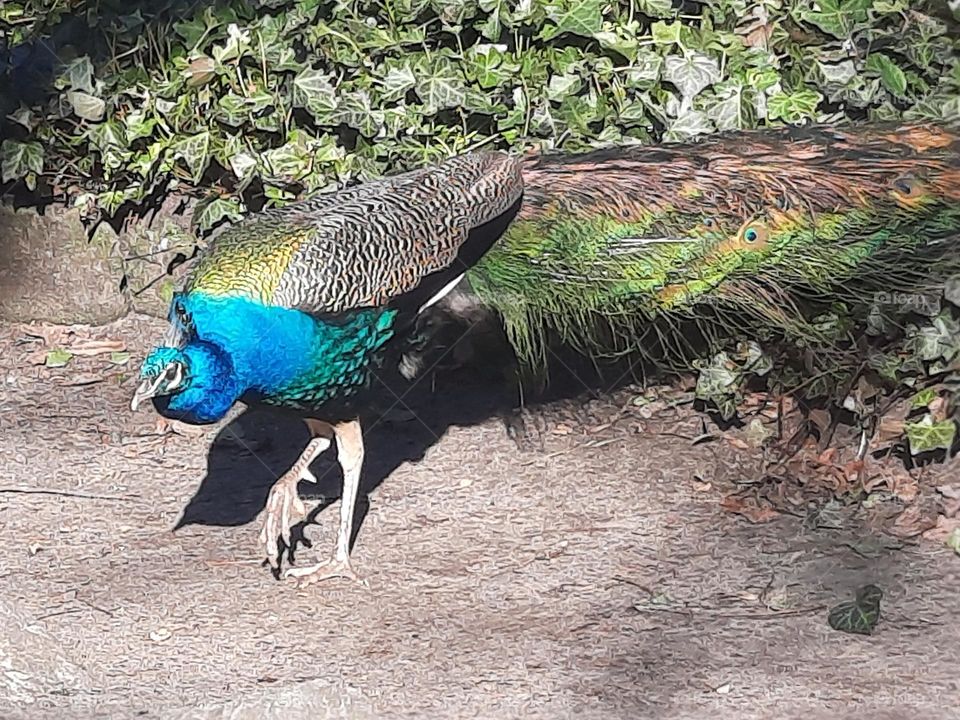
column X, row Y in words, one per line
column 907, row 186
column 754, row 235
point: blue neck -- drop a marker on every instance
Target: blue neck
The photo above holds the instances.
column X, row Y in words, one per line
column 284, row 356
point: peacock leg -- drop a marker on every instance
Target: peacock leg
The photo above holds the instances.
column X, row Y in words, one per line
column 349, row 439
column 284, row 507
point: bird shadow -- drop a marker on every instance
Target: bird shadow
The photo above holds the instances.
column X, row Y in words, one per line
column 403, row 421
column 255, row 449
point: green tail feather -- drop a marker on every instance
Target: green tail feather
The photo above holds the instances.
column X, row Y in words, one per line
column 728, row 234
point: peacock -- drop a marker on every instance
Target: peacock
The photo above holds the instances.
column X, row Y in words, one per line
column 300, row 307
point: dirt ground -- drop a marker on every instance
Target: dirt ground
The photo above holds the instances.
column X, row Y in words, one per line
column 595, row 578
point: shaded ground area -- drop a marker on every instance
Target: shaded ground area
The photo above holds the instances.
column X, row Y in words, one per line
column 598, row 577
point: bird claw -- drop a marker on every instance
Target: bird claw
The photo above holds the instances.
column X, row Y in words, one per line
column 284, row 509
column 326, row 570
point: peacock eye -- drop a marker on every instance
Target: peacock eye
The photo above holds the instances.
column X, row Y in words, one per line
column 903, row 186
column 750, row 235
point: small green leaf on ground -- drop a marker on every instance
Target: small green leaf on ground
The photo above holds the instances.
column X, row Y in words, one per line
column 953, row 541
column 927, row 435
column 859, row 616
column 58, row 357
column 119, row 358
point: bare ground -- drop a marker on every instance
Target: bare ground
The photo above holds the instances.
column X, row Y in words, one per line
column 596, row 578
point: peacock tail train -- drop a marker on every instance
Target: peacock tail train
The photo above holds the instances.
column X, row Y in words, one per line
column 725, row 234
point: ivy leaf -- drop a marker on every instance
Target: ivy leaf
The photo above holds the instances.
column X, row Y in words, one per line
column 562, row 86
column 78, row 75
column 313, row 90
column 355, row 109
column 730, row 108
column 397, row 82
column 108, row 135
column 623, row 43
column 891, row 76
column 194, row 150
column 839, row 73
column 928, row 435
column 210, row 214
column 837, row 17
column 644, row 72
column 243, row 164
column 439, row 89
column 137, row 125
column 577, row 17
column 690, row 124
column 692, row 73
column 86, row 106
column 483, row 64
column 793, row 107
column 18, row 160
column 664, row 33
column 656, row 8
column 860, row 615
column 237, row 45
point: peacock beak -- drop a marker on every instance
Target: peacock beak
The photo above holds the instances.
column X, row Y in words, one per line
column 148, row 389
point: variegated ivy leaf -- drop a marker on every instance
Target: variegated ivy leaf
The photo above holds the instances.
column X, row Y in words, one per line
column 355, row 109
column 237, row 45
column 837, row 17
column 194, row 150
column 837, row 72
column 77, row 75
column 562, row 86
column 440, row 88
column 691, row 73
column 397, row 82
column 484, row 64
column 210, row 214
column 242, row 164
column 929, row 435
column 690, row 124
column 656, row 8
column 732, row 107
column 794, row 107
column 313, row 90
column 86, row 106
column 18, row 159
column 577, row 17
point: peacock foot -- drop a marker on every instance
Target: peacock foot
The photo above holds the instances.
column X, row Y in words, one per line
column 329, row 569
column 284, row 510
column 524, row 428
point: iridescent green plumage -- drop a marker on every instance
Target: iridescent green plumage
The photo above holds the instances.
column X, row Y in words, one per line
column 723, row 233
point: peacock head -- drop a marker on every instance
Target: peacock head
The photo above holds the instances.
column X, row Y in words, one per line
column 196, row 384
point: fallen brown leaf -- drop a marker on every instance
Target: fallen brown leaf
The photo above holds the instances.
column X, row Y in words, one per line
column 938, row 409
column 942, row 530
column 750, row 508
column 827, row 456
column 950, row 499
column 889, row 430
column 913, row 521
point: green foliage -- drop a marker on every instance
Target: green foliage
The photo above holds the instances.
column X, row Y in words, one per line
column 859, row 616
column 282, row 98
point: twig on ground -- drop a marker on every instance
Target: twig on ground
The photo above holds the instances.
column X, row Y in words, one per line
column 67, row 493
